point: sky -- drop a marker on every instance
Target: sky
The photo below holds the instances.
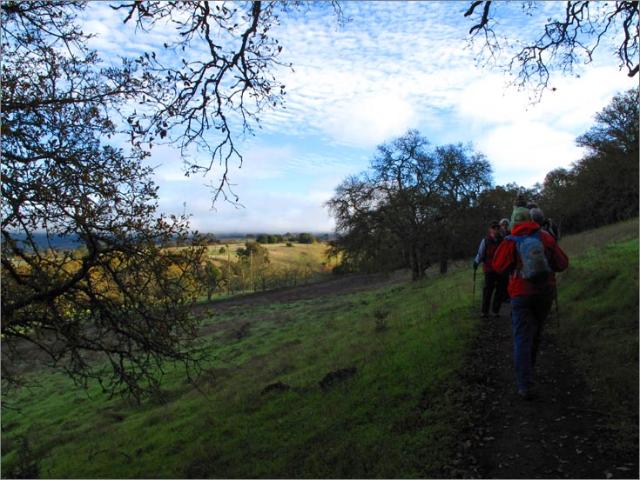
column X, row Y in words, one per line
column 392, row 66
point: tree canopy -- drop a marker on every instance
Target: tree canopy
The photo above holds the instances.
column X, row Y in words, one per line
column 602, row 187
column 73, row 150
column 406, row 210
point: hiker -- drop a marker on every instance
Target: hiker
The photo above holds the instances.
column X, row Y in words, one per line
column 531, row 256
column 504, row 227
column 537, row 215
column 486, row 250
column 503, row 280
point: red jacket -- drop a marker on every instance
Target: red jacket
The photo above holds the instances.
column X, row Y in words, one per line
column 506, row 259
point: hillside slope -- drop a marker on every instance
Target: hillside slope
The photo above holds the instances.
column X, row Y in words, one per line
column 338, row 385
column 372, row 383
column 584, row 423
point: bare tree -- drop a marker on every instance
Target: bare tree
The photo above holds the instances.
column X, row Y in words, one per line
column 211, row 82
column 563, row 42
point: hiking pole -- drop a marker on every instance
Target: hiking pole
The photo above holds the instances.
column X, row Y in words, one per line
column 555, row 298
column 473, row 295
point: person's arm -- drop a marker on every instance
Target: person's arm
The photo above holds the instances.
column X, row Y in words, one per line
column 558, row 260
column 504, row 257
column 480, row 255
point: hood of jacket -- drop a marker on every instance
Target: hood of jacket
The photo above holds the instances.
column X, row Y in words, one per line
column 525, row 228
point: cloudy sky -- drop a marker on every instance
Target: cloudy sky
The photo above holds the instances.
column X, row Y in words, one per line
column 391, row 67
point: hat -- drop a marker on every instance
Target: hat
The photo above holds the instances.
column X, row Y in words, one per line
column 504, row 220
column 520, row 214
column 537, row 215
column 495, row 224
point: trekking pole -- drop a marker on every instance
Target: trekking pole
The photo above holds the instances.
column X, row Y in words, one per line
column 555, row 298
column 473, row 295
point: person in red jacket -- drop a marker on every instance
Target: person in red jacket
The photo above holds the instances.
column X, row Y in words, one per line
column 485, row 254
column 531, row 285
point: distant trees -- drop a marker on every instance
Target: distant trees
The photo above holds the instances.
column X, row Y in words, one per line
column 418, row 205
column 602, row 187
column 209, row 277
column 411, row 208
column 265, row 238
column 205, row 239
column 306, row 238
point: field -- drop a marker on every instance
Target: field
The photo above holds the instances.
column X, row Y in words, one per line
column 347, row 378
column 289, row 264
column 309, row 255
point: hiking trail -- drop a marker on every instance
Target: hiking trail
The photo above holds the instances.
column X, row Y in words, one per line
column 560, row 434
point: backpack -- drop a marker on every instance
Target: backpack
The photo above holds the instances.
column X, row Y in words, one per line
column 534, row 264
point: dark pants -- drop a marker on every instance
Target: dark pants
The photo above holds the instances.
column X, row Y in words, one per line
column 503, row 283
column 528, row 315
column 491, row 288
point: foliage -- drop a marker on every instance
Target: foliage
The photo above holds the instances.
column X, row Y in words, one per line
column 205, row 239
column 411, row 209
column 602, row 187
column 209, row 277
column 119, row 298
column 305, row 238
column 265, row 238
column 268, row 266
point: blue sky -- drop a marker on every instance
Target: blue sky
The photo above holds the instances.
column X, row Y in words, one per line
column 393, row 66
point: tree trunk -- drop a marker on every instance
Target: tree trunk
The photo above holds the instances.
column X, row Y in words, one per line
column 444, row 266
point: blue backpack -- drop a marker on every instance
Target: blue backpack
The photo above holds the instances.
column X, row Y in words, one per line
column 535, row 266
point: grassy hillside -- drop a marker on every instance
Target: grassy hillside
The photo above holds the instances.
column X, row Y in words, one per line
column 598, row 299
column 387, row 418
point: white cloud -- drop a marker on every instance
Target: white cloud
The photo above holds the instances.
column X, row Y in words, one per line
column 370, row 120
column 266, row 212
column 526, row 151
column 398, row 65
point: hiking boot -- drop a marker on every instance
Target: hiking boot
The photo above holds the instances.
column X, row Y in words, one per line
column 526, row 395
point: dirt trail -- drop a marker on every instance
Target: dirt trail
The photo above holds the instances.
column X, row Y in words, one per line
column 561, row 434
column 335, row 286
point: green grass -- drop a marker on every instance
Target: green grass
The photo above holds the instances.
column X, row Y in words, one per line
column 598, row 298
column 406, row 341
column 581, row 243
column 368, row 425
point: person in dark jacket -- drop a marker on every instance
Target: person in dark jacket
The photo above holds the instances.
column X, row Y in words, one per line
column 531, row 298
column 486, row 250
